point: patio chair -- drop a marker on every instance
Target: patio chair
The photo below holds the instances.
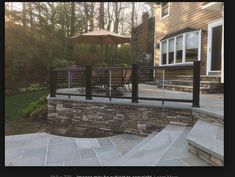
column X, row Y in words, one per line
column 127, row 78
column 98, row 80
column 78, row 80
column 116, row 81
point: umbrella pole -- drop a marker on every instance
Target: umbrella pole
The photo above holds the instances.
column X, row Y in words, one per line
column 116, row 53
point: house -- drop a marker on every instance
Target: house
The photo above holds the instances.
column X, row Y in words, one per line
column 188, row 31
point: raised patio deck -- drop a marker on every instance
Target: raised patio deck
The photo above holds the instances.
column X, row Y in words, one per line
column 209, row 103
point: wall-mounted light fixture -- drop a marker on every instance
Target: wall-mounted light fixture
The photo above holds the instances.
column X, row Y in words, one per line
column 204, row 31
column 157, row 46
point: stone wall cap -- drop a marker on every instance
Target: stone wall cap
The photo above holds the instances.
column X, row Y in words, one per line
column 118, row 102
column 199, row 110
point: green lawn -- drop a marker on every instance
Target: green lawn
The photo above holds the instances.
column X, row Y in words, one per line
column 15, row 123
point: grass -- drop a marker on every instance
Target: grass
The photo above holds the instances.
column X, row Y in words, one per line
column 15, row 123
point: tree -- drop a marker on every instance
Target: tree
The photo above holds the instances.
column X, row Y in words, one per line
column 92, row 16
column 132, row 15
column 72, row 28
column 24, row 15
column 101, row 16
column 30, row 12
column 132, row 27
column 86, row 13
column 109, row 17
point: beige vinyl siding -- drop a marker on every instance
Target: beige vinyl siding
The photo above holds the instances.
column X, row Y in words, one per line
column 183, row 15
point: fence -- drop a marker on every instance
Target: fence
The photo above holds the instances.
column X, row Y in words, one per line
column 112, row 82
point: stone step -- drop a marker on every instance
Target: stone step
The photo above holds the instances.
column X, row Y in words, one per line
column 209, row 84
column 151, row 149
column 183, row 88
column 207, row 141
column 202, row 77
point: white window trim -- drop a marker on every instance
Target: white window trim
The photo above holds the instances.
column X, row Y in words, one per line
column 184, row 50
column 167, row 52
column 174, row 49
column 161, row 52
column 212, row 24
column 168, row 49
column 162, row 18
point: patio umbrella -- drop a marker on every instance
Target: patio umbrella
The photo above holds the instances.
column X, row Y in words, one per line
column 101, row 37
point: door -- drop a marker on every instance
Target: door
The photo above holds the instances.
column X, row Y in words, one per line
column 214, row 52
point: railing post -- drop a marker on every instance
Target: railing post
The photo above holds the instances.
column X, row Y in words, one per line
column 196, row 84
column 110, row 85
column 69, row 80
column 52, row 81
column 88, row 82
column 135, row 84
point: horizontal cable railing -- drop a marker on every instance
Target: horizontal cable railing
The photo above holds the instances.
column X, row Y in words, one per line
column 118, row 82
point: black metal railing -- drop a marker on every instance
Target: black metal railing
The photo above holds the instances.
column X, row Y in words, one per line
column 116, row 82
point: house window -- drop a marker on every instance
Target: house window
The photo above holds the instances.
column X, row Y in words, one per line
column 164, row 9
column 164, row 52
column 181, row 49
column 191, row 46
column 171, row 51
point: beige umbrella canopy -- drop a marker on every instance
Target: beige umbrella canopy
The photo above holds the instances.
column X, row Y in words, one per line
column 101, row 37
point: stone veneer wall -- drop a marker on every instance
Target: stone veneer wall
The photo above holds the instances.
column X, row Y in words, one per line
column 211, row 159
column 116, row 118
column 215, row 119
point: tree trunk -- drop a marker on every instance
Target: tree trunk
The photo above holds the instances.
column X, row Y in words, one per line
column 24, row 15
column 132, row 27
column 132, row 15
column 109, row 18
column 30, row 15
column 116, row 18
column 92, row 17
column 86, row 16
column 101, row 16
column 39, row 19
column 67, row 23
column 72, row 28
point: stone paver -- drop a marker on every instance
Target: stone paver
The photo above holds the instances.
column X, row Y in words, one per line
column 174, row 162
column 174, row 153
column 31, row 157
column 150, row 153
column 13, row 153
column 195, row 161
column 43, row 149
column 104, row 142
column 125, row 142
column 87, row 143
column 55, row 164
column 107, row 154
column 62, row 152
column 39, row 142
column 220, row 133
column 87, row 153
column 83, row 162
column 60, row 139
